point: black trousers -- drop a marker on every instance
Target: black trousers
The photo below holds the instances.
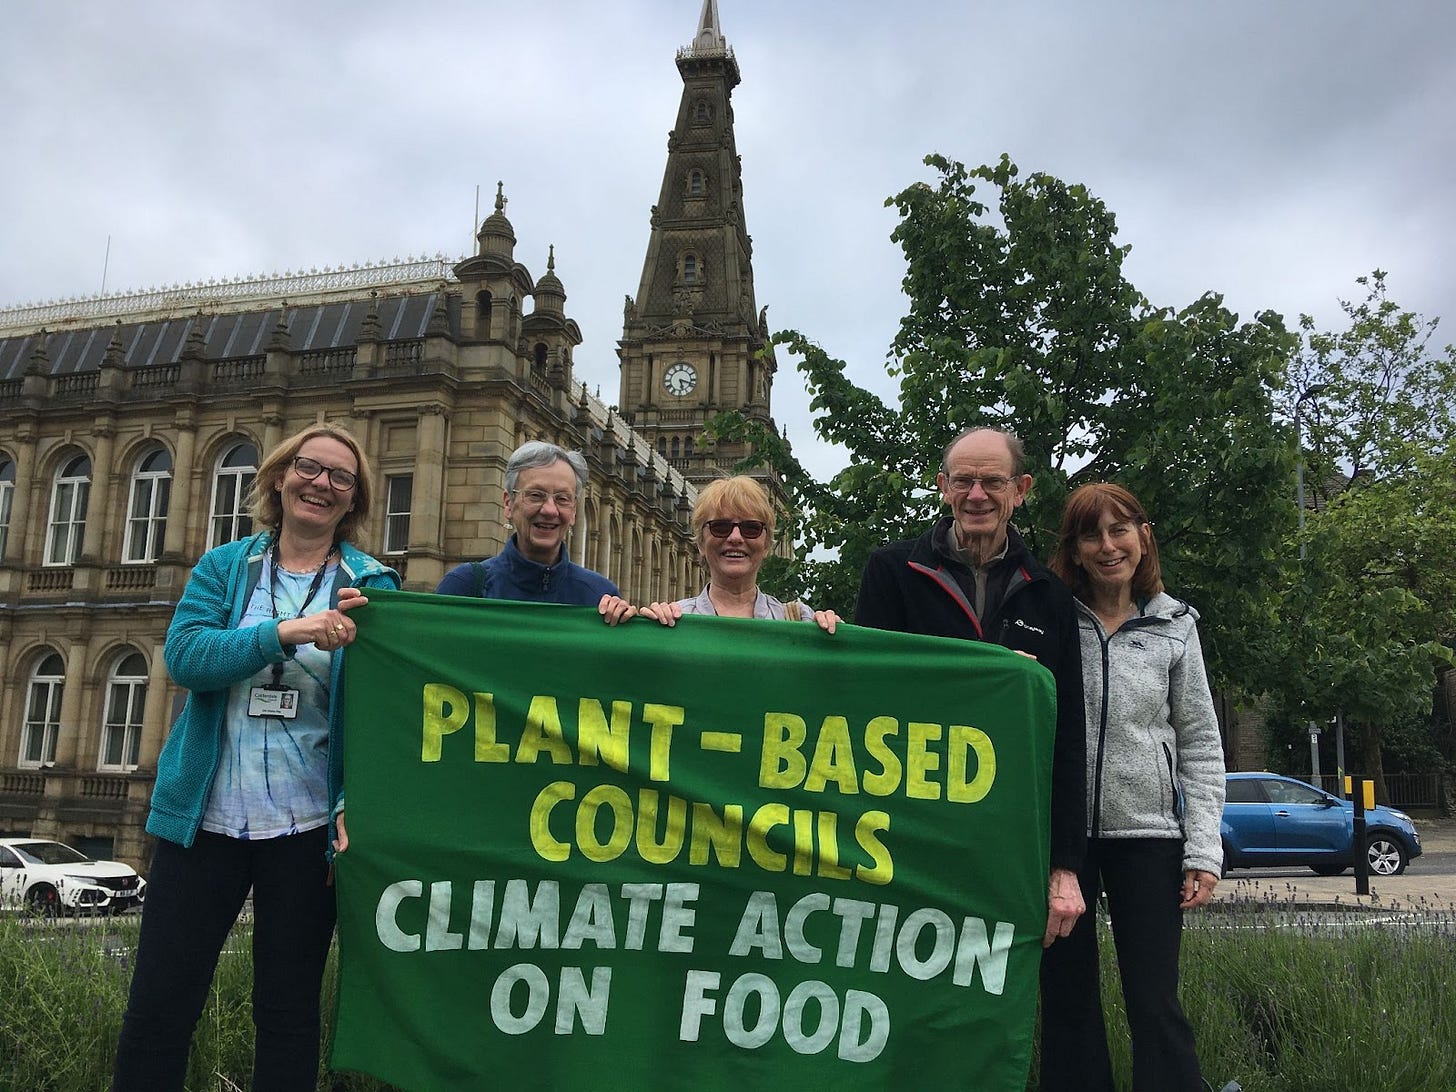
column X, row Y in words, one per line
column 1142, row 877
column 193, row 898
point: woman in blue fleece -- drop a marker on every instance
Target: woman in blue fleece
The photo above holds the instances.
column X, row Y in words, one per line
column 1154, row 801
column 251, row 774
column 543, row 487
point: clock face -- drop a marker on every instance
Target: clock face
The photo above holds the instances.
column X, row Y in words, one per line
column 680, row 378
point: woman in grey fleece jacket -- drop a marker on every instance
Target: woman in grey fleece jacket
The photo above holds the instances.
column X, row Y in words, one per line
column 1154, row 801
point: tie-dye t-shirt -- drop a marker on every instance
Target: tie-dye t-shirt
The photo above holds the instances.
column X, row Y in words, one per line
column 272, row 774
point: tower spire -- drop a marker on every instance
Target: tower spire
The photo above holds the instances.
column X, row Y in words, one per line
column 693, row 343
column 710, row 31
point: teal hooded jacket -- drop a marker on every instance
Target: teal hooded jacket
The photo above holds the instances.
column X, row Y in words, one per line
column 207, row 655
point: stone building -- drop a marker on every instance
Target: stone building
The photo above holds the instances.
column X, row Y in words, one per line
column 131, row 426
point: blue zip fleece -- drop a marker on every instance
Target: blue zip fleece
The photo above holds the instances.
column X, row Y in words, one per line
column 513, row 575
column 1154, row 757
column 207, row 654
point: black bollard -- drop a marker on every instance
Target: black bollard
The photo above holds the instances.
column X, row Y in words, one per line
column 1362, row 851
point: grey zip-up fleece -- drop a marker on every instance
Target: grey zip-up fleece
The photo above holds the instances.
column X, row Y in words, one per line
column 1154, row 757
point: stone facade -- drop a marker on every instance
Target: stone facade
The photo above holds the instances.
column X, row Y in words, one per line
column 119, row 472
column 130, row 427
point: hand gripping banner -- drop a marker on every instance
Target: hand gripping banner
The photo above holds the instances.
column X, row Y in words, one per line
column 729, row 855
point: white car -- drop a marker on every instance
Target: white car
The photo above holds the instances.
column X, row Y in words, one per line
column 48, row 877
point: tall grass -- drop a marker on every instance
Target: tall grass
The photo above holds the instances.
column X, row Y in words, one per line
column 1280, row 1003
column 1310, row 1006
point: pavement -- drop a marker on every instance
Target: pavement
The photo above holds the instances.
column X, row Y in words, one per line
column 1428, row 885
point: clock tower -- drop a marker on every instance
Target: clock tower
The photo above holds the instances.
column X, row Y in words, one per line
column 694, row 342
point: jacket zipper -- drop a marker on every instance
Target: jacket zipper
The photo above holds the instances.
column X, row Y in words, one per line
column 1096, row 819
column 1173, row 784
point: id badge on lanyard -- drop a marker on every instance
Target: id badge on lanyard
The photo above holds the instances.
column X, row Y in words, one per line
column 273, row 699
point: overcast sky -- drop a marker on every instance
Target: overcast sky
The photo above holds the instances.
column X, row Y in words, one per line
column 1271, row 150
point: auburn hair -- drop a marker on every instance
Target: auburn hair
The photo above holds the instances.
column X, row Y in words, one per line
column 1083, row 511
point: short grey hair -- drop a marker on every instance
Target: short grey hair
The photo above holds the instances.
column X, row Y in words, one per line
column 1013, row 444
column 538, row 453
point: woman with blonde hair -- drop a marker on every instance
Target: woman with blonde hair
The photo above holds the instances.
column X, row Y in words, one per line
column 733, row 522
column 251, row 776
column 1155, row 783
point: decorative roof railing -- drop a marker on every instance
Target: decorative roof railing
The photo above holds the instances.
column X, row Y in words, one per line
column 624, row 437
column 702, row 50
column 293, row 286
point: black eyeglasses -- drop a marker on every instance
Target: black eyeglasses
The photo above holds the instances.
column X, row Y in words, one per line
column 339, row 478
column 994, row 485
column 748, row 528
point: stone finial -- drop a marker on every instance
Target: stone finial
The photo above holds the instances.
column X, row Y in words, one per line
column 371, row 330
column 280, row 340
column 195, row 347
column 39, row 361
column 439, row 318
column 114, row 357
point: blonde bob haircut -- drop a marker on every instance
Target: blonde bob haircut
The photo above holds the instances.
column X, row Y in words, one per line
column 740, row 497
column 264, row 502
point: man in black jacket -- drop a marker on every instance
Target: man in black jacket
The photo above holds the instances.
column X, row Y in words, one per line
column 970, row 576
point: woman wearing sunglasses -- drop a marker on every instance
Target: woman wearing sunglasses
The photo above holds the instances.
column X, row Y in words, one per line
column 251, row 774
column 734, row 521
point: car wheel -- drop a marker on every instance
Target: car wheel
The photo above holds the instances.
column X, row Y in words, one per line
column 1387, row 856
column 1329, row 869
column 43, row 900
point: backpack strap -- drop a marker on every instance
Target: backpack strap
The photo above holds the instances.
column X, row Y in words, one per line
column 794, row 611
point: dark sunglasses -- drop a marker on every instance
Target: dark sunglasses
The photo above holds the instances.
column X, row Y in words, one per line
column 748, row 528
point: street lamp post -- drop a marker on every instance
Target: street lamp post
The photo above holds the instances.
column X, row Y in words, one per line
column 1318, row 388
column 1314, row 732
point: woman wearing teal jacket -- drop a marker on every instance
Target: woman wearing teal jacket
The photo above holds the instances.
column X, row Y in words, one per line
column 251, row 778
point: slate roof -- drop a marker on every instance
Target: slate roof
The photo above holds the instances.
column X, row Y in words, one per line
column 311, row 328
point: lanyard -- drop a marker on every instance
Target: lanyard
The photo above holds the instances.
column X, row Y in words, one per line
column 318, row 579
column 313, row 589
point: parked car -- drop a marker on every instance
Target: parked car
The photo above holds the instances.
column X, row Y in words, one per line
column 1273, row 820
column 49, row 877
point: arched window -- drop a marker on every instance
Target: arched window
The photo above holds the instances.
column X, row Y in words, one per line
column 230, row 484
column 676, row 448
column 702, row 112
column 688, row 447
column 146, row 511
column 696, row 184
column 42, row 712
column 7, row 495
column 126, row 695
column 539, row 355
column 662, row 446
column 690, row 268
column 482, row 313
column 67, row 526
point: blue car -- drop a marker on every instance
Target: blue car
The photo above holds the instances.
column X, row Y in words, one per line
column 1273, row 820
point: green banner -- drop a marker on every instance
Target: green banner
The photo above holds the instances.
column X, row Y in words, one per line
column 733, row 854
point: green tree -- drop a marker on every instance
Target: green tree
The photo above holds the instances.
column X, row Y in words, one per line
column 1020, row 316
column 1374, row 597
